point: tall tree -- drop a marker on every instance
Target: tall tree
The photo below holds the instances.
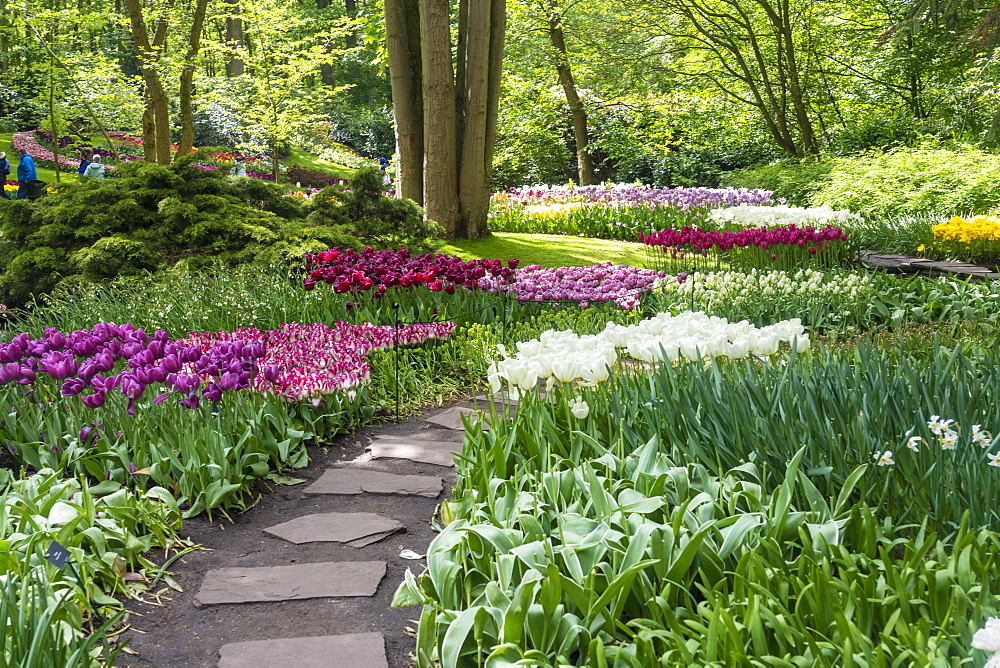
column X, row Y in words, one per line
column 751, row 50
column 156, row 118
column 446, row 113
column 234, row 39
column 577, row 112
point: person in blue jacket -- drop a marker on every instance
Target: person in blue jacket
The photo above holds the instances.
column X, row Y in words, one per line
column 25, row 172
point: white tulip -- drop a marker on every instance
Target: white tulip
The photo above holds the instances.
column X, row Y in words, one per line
column 580, row 409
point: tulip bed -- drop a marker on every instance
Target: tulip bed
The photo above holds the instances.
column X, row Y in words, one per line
column 783, row 247
column 807, row 510
column 619, row 211
column 700, row 483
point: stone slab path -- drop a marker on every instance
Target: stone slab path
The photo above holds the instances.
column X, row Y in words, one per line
column 290, row 583
column 357, row 480
column 347, row 528
column 912, row 265
column 313, row 587
column 351, row 650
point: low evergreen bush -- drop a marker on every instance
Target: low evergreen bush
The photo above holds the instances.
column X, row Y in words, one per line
column 146, row 217
column 362, row 210
column 925, row 179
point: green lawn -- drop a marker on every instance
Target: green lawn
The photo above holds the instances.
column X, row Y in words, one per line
column 549, row 250
column 303, row 159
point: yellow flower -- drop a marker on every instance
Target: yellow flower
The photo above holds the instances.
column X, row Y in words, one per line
column 979, row 228
column 920, row 247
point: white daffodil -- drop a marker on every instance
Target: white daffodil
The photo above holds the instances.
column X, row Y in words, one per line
column 949, row 439
column 981, row 437
column 994, row 461
column 913, row 443
column 937, row 425
column 579, row 408
column 884, row 458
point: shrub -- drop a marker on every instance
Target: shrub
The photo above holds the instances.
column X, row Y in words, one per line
column 906, row 181
column 795, row 182
column 382, row 222
column 148, row 217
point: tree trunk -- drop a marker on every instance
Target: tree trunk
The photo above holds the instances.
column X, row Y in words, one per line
column 187, row 79
column 234, row 39
column 585, row 162
column 402, row 21
column 474, row 167
column 351, row 8
column 4, row 38
column 155, row 118
column 440, row 149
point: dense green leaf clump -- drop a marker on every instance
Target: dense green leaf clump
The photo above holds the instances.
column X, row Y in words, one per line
column 149, row 217
column 145, row 217
column 363, row 210
column 927, row 179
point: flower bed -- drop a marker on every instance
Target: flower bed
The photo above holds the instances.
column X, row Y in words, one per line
column 308, row 362
column 350, row 271
column 744, row 216
column 613, row 211
column 820, row 299
column 621, row 284
column 975, row 239
column 567, row 357
column 780, row 248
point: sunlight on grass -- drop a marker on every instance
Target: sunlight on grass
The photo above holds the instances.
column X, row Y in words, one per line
column 309, row 161
column 549, row 250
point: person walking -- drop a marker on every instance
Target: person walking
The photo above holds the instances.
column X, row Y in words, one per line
column 85, row 156
column 25, row 172
column 4, row 171
column 95, row 169
column 238, row 169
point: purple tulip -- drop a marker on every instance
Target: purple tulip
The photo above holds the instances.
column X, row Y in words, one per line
column 95, row 400
column 212, row 392
column 72, row 387
column 59, row 365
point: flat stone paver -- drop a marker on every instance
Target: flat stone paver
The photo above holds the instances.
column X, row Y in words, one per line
column 354, row 650
column 451, row 418
column 358, row 480
column 326, row 579
column 333, row 527
column 440, row 453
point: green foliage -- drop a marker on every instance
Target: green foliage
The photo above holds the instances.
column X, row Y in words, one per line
column 906, row 181
column 147, row 217
column 106, row 530
column 364, row 211
column 796, row 182
column 533, row 137
column 695, row 497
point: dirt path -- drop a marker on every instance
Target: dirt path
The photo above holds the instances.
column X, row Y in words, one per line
column 180, row 634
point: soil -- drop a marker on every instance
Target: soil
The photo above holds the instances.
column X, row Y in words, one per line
column 178, row 634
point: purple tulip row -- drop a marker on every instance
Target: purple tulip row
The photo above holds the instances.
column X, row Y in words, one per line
column 620, row 284
column 85, row 359
column 294, row 362
column 684, row 199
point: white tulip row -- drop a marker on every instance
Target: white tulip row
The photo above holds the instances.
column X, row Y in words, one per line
column 565, row 356
column 744, row 216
